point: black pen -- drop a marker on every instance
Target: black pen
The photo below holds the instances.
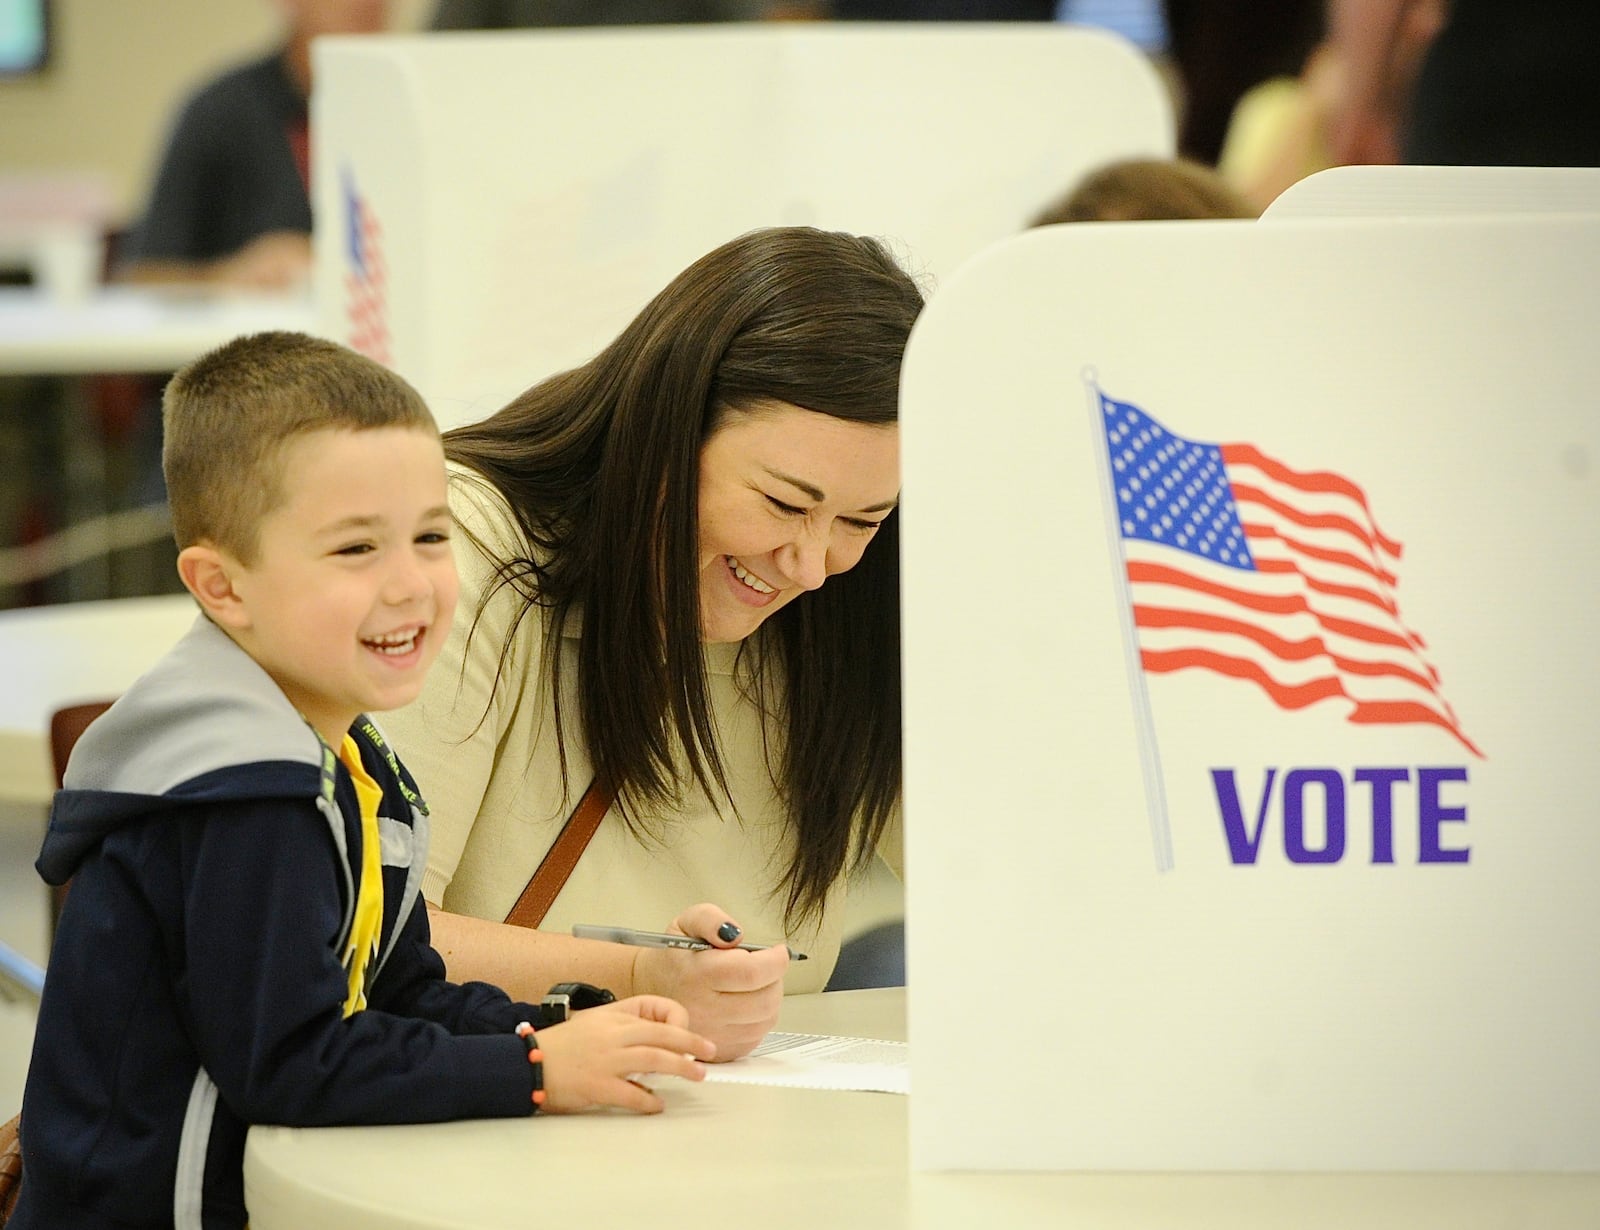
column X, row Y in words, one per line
column 660, row 939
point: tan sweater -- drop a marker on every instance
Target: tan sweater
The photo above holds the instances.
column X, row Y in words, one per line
column 494, row 787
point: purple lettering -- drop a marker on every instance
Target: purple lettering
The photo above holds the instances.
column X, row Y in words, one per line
column 1382, row 782
column 1294, row 825
column 1431, row 813
column 1243, row 843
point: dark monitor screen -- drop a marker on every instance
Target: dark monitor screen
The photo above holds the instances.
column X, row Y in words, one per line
column 24, row 36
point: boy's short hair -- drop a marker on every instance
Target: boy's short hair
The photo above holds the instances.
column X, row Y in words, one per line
column 1148, row 190
column 227, row 416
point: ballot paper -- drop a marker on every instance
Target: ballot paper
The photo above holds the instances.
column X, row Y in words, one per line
column 820, row 1061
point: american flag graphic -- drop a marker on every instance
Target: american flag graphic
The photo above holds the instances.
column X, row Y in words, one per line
column 1279, row 577
column 366, row 277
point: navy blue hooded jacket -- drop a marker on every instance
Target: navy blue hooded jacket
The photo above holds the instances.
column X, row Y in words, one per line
column 195, row 986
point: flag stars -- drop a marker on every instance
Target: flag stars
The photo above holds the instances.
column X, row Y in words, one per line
column 1171, row 490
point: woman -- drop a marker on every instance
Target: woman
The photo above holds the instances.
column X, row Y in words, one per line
column 646, row 544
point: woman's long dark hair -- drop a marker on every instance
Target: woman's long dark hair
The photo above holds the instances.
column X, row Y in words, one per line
column 601, row 468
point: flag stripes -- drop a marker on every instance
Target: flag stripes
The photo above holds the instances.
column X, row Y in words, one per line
column 366, row 278
column 1243, row 566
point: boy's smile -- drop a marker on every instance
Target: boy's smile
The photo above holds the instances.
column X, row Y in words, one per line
column 353, row 585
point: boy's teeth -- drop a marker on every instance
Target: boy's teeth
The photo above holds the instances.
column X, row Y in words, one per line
column 754, row 582
column 394, row 642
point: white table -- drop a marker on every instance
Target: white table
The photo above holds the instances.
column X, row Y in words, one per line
column 751, row 1157
column 52, row 656
column 122, row 329
column 132, row 328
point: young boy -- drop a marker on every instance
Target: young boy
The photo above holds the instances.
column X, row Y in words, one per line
column 243, row 942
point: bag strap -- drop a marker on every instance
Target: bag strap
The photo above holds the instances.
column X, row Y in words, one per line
column 10, row 1166
column 568, row 847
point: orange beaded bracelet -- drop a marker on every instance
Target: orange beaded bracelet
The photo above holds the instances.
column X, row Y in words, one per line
column 536, row 1058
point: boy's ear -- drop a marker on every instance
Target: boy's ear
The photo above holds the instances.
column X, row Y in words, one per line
column 207, row 572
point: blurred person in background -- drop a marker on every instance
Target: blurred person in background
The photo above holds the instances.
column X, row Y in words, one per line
column 1285, row 128
column 1500, row 84
column 231, row 201
column 1219, row 49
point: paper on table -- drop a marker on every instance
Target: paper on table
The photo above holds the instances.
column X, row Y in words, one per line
column 820, row 1061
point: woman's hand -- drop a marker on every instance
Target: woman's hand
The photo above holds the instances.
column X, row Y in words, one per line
column 589, row 1059
column 732, row 996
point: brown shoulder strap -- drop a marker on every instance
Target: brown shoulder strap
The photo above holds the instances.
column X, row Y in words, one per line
column 562, row 857
column 10, row 1166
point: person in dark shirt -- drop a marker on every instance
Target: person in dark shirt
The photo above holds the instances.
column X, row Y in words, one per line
column 231, row 202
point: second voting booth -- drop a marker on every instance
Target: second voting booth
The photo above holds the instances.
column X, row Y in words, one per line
column 493, row 208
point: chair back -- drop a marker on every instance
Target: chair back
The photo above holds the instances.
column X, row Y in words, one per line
column 66, row 727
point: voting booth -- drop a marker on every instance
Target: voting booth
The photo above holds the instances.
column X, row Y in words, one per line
column 1406, row 191
column 493, row 208
column 1251, row 785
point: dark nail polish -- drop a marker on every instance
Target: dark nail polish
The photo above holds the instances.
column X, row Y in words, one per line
column 728, row 932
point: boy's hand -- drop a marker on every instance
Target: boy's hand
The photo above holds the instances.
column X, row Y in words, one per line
column 732, row 996
column 588, row 1059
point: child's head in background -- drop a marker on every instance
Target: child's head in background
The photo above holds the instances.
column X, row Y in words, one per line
column 1148, row 190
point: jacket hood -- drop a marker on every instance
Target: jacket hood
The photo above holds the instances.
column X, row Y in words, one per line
column 205, row 724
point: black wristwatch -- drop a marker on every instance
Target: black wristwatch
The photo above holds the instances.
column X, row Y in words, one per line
column 565, row 998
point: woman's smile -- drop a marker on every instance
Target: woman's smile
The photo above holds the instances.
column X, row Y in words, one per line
column 747, row 586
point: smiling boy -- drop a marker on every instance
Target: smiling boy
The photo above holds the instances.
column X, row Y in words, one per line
column 243, row 942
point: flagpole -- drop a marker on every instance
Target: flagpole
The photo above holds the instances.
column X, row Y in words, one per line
column 1155, row 791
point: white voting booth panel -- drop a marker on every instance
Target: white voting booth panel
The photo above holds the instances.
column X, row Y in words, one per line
column 494, row 208
column 1283, row 860
column 1364, row 192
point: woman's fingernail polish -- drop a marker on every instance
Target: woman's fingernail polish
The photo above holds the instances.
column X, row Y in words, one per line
column 728, row 932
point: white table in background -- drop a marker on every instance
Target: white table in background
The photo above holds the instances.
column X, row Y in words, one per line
column 726, row 1155
column 133, row 328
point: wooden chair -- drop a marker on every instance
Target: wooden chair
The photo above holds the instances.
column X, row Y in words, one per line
column 66, row 725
